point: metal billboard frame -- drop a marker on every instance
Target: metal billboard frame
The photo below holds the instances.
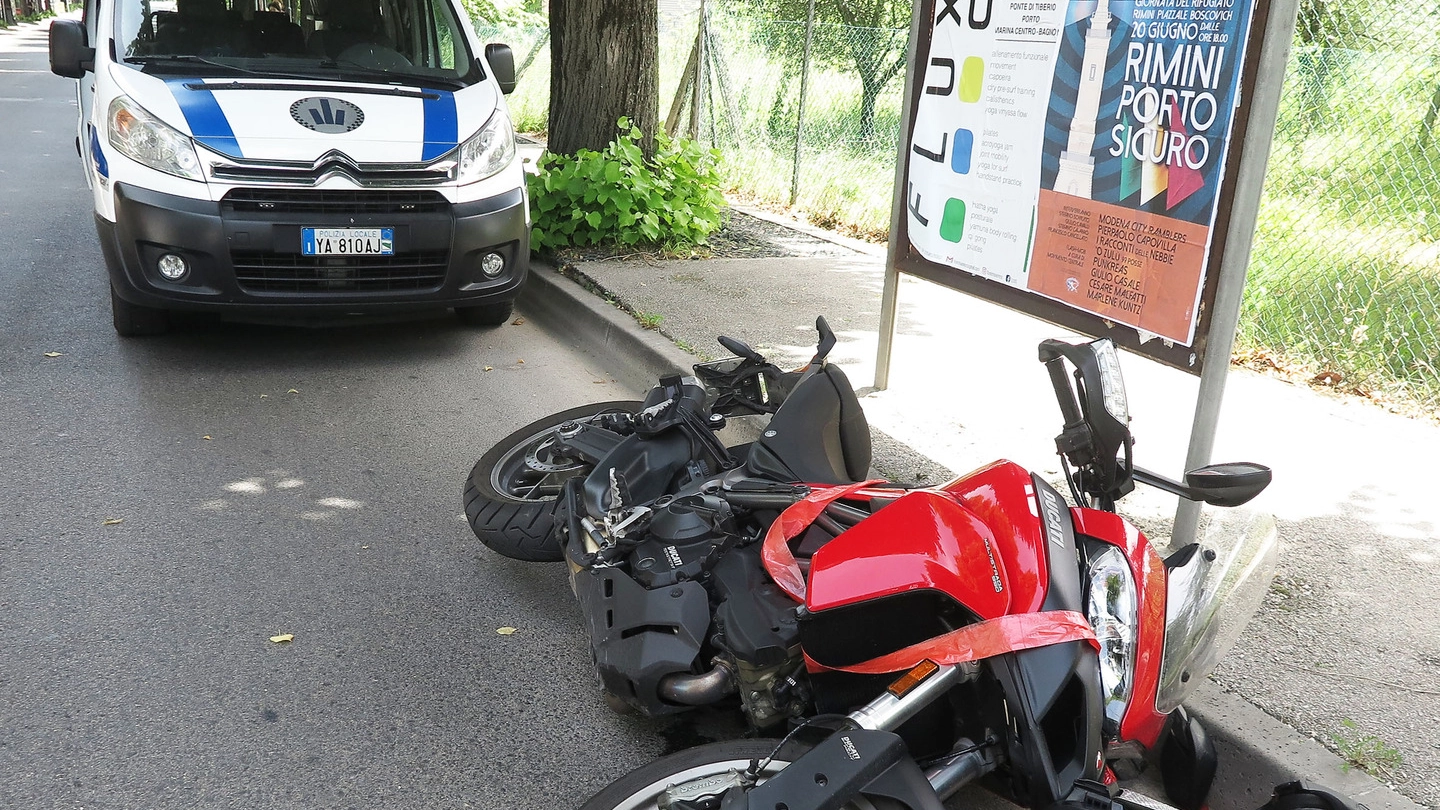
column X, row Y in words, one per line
column 1257, row 107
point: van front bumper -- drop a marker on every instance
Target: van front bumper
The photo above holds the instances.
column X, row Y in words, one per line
column 243, row 253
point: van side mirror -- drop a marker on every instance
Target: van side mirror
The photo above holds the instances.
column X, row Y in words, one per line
column 69, row 55
column 502, row 66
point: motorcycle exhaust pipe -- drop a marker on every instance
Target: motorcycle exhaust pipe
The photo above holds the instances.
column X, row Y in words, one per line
column 698, row 690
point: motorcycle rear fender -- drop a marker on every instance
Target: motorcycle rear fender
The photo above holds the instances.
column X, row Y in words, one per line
column 845, row 764
column 819, row 435
column 639, row 636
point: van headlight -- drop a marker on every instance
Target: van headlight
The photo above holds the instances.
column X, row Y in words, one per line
column 1111, row 607
column 145, row 139
column 489, row 150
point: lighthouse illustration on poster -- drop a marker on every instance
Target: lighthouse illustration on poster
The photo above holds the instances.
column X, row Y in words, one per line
column 1076, row 149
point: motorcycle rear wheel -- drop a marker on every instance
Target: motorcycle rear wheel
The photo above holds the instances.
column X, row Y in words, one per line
column 641, row 788
column 510, row 496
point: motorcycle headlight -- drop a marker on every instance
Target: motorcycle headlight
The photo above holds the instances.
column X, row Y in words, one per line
column 489, row 150
column 145, row 139
column 1111, row 606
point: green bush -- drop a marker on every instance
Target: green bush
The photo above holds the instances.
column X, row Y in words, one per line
column 616, row 196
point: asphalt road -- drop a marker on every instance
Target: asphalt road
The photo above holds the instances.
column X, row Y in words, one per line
column 259, row 480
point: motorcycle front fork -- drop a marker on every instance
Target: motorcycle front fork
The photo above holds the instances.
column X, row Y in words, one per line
column 905, row 698
column 865, row 756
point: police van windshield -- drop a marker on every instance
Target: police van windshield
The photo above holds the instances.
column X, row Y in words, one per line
column 369, row 40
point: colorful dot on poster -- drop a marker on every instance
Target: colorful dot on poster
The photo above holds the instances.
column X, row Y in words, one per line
column 960, row 154
column 952, row 222
column 972, row 79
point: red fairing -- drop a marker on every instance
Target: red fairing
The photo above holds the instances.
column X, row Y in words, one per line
column 1141, row 722
column 1003, row 496
column 924, row 539
column 944, row 540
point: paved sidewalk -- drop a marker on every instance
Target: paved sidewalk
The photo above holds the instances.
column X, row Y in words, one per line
column 1348, row 642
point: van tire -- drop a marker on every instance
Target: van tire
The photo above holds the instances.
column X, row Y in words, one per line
column 133, row 320
column 485, row 314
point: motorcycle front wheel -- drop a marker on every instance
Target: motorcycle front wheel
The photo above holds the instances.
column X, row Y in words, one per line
column 512, row 491
column 641, row 788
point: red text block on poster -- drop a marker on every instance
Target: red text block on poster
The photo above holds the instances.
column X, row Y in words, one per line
column 1132, row 267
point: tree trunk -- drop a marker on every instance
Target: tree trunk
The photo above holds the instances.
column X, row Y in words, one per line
column 869, row 91
column 603, row 65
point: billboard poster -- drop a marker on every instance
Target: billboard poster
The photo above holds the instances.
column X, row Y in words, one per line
column 1076, row 149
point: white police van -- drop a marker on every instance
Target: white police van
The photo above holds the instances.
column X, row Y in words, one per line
column 273, row 157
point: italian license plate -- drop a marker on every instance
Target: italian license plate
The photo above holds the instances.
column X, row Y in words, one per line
column 347, row 241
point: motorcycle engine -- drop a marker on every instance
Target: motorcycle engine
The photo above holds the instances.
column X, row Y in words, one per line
column 694, row 539
column 684, row 538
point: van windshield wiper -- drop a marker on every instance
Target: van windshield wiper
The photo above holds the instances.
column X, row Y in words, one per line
column 192, row 60
column 389, row 76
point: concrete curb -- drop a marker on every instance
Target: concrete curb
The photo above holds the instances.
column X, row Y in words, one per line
column 1257, row 752
column 636, row 357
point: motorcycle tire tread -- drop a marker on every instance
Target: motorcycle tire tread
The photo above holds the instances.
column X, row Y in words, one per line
column 522, row 530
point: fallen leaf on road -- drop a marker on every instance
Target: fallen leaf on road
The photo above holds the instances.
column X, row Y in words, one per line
column 113, row 521
column 262, row 396
column 292, row 391
column 517, row 321
column 488, row 368
column 505, row 631
column 519, row 362
column 282, row 638
column 1327, row 378
column 206, row 438
column 364, row 547
column 53, row 354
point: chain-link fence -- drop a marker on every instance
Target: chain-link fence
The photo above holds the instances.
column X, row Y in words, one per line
column 1345, row 275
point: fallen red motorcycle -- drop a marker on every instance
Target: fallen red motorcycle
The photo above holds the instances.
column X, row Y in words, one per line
column 1035, row 643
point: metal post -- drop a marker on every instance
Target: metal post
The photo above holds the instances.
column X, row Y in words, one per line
column 800, row 113
column 889, row 297
column 1250, row 182
column 697, row 100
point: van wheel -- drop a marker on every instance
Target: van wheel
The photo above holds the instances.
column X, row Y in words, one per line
column 486, row 314
column 133, row 320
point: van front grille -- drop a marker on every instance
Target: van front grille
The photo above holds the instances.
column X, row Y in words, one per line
column 294, row 273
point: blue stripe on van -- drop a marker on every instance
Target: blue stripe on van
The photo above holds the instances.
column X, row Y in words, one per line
column 202, row 112
column 442, row 128
column 102, row 166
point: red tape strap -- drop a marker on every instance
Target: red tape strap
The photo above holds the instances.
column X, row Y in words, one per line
column 775, row 553
column 1019, row 631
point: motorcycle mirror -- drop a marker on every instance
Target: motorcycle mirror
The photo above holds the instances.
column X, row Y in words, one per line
column 1218, row 484
column 740, row 349
column 827, row 340
column 1229, row 484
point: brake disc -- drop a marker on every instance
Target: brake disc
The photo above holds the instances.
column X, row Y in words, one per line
column 559, row 463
